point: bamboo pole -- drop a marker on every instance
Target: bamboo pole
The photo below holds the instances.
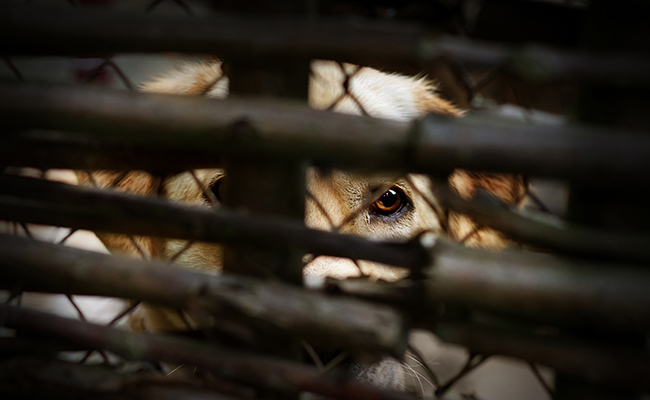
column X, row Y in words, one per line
column 575, row 152
column 268, row 185
column 199, row 125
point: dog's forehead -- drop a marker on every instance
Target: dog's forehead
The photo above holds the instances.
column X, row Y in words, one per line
column 372, row 180
column 368, row 91
column 184, row 184
column 189, row 186
column 354, row 185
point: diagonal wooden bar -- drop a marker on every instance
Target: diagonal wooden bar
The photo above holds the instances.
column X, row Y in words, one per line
column 250, row 368
column 580, row 359
column 48, row 378
column 546, row 232
column 38, row 30
column 542, row 287
column 533, row 287
column 51, row 203
column 618, row 365
column 204, row 126
column 197, row 129
column 347, row 323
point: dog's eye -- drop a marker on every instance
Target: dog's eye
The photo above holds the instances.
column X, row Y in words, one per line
column 390, row 202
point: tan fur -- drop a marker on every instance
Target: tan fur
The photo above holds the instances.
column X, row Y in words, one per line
column 511, row 190
column 337, row 193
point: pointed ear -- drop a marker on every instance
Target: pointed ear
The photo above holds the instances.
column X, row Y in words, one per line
column 511, row 189
column 428, row 101
column 134, row 182
column 194, row 78
column 190, row 79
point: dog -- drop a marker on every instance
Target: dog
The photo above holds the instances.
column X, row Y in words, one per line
column 399, row 212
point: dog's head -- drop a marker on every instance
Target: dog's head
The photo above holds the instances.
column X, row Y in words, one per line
column 374, row 206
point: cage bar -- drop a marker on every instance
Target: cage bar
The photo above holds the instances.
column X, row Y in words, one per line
column 49, row 31
column 203, row 127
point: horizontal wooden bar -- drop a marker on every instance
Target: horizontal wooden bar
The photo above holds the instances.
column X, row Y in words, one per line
column 47, row 267
column 52, row 149
column 577, row 152
column 199, row 130
column 51, row 203
column 620, row 365
column 542, row 287
column 603, row 294
column 200, row 126
column 534, row 287
column 31, row 374
column 38, row 30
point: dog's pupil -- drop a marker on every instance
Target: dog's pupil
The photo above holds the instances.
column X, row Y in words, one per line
column 389, row 199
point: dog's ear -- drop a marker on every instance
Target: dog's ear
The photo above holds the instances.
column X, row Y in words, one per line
column 428, row 101
column 134, row 182
column 188, row 79
column 510, row 189
column 191, row 78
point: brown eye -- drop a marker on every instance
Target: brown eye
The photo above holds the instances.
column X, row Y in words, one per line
column 390, row 202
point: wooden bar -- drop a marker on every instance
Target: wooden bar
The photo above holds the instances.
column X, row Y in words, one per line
column 56, row 31
column 197, row 129
column 256, row 370
column 51, row 203
column 541, row 287
column 349, row 323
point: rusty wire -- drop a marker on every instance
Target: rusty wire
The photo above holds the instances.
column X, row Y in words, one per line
column 107, row 64
column 347, row 91
column 211, row 85
column 19, row 76
column 538, row 375
column 473, row 362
